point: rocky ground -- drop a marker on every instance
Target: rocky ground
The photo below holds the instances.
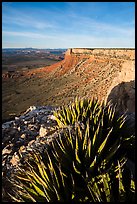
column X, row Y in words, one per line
column 24, row 134
column 25, row 131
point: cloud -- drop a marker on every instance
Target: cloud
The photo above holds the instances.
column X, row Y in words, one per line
column 95, row 27
column 27, row 22
column 67, row 40
column 65, row 27
column 26, row 19
column 27, row 34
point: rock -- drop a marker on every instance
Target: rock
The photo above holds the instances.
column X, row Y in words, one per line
column 52, row 117
column 7, row 125
column 6, row 150
column 31, row 142
column 23, row 136
column 15, row 159
column 22, row 150
column 42, row 131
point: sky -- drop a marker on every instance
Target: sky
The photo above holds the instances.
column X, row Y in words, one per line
column 68, row 24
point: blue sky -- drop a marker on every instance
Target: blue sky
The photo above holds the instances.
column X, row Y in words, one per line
column 68, row 24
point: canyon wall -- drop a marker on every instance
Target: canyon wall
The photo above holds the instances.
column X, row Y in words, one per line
column 121, row 89
column 128, row 54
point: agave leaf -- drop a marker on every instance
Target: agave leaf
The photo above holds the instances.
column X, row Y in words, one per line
column 54, row 172
column 22, row 178
column 93, row 163
column 106, row 187
column 42, row 171
column 70, row 138
column 19, row 186
column 31, row 191
column 112, row 151
column 35, row 178
column 41, row 167
column 86, row 137
column 27, row 197
column 96, row 139
column 14, row 198
column 59, row 198
column 105, row 141
column 77, row 143
column 113, row 113
column 38, row 189
column 74, row 115
column 60, row 145
column 57, row 175
column 94, row 190
column 69, row 116
column 95, row 107
column 89, row 149
column 75, row 169
column 77, row 157
column 81, row 104
column 64, row 183
column 96, row 134
column 121, row 120
column 59, row 122
column 122, row 123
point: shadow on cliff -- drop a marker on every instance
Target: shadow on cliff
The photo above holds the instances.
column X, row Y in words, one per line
column 124, row 96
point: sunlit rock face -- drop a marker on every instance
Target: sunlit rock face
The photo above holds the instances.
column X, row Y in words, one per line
column 116, row 77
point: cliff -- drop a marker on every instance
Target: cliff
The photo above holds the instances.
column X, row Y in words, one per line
column 108, row 74
column 114, row 53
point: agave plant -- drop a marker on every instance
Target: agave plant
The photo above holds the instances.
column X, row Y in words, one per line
column 79, row 110
column 84, row 162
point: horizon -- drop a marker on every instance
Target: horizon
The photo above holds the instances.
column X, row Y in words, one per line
column 64, row 25
column 69, row 48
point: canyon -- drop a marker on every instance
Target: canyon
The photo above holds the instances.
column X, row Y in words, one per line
column 108, row 74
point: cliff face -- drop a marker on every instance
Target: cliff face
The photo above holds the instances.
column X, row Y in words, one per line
column 108, row 74
column 114, row 53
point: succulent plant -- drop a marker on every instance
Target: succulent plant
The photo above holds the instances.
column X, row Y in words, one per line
column 79, row 110
column 84, row 162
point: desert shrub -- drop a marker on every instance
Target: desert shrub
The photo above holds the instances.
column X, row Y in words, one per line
column 84, row 162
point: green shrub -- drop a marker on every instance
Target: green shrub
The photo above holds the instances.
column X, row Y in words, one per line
column 79, row 110
column 84, row 162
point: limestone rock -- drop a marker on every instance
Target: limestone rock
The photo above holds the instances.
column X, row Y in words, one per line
column 42, row 131
column 15, row 159
column 24, row 134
